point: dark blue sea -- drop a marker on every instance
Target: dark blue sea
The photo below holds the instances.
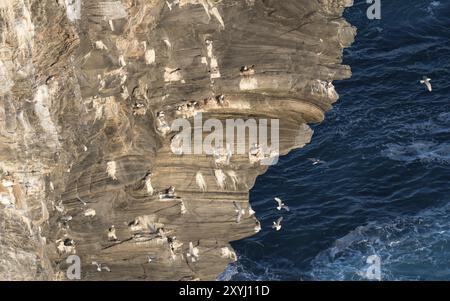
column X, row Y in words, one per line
column 385, row 187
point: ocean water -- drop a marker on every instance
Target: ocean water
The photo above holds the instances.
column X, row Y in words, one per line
column 385, row 187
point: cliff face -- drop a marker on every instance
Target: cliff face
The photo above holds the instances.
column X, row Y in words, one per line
column 87, row 161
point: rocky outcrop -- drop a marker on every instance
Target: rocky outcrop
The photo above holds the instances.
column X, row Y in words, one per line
column 88, row 90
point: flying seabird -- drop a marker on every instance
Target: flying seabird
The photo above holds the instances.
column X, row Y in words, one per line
column 426, row 81
column 281, row 205
column 101, row 267
column 170, row 191
column 169, row 5
column 134, row 222
column 316, row 161
column 277, row 225
column 239, row 212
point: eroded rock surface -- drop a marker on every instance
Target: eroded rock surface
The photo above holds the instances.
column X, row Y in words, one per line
column 88, row 90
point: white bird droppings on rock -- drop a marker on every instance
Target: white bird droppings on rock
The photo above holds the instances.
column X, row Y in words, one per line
column 100, row 45
column 215, row 12
column 122, row 61
column 150, row 56
column 227, row 253
column 42, row 103
column 111, row 169
column 213, row 63
column 200, row 180
column 234, row 178
column 148, row 184
column 220, row 178
column 248, row 83
column 172, row 75
column 183, row 208
column 89, row 212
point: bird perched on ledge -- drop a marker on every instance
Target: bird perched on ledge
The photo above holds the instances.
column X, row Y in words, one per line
column 257, row 227
column 168, row 193
column 112, row 234
column 193, row 252
column 247, row 70
column 239, row 212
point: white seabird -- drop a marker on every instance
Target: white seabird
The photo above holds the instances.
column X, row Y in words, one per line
column 162, row 233
column 66, row 246
column 426, row 81
column 60, row 207
column 257, row 227
column 161, row 124
column 239, row 212
column 251, row 212
column 277, row 225
column 168, row 193
column 221, row 99
column 193, row 252
column 281, row 205
column 316, row 161
column 65, row 219
column 101, row 267
column 247, row 70
column 112, row 233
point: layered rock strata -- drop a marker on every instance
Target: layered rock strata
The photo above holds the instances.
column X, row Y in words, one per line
column 89, row 163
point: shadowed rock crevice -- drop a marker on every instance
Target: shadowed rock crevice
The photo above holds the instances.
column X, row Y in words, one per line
column 87, row 94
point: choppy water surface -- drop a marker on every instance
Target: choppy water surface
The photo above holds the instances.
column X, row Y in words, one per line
column 385, row 188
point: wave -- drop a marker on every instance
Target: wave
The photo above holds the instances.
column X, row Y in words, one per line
column 410, row 248
column 423, row 151
column 246, row 269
